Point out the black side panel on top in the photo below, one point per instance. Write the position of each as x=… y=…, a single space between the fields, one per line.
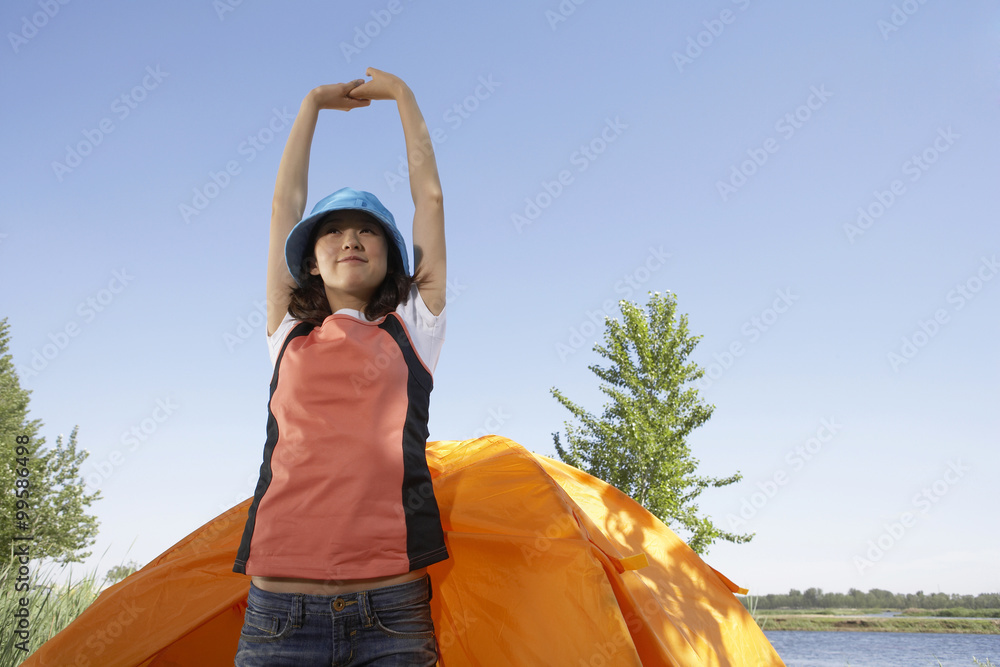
x=243 y=554
x=424 y=536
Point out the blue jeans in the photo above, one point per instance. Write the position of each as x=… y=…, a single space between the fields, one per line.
x=382 y=626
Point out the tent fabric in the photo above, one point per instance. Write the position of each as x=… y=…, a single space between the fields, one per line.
x=549 y=566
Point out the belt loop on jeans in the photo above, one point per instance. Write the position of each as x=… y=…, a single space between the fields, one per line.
x=296 y=610
x=364 y=608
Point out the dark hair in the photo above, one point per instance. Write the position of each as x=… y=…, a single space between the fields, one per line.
x=309 y=303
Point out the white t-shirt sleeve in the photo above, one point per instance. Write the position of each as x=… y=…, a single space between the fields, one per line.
x=426 y=329
x=275 y=340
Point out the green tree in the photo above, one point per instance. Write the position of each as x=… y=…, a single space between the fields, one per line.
x=57 y=516
x=639 y=443
x=119 y=572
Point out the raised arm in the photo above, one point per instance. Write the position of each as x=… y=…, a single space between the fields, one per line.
x=425 y=186
x=291 y=189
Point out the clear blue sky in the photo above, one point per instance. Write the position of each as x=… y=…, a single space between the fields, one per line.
x=720 y=151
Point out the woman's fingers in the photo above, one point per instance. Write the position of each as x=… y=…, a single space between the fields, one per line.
x=371 y=90
x=357 y=93
x=338 y=96
x=382 y=86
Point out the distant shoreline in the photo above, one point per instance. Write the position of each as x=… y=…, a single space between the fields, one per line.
x=844 y=623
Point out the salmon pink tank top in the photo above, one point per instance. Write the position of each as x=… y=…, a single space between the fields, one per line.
x=344 y=489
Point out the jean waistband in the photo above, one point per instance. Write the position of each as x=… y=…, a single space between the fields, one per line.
x=360 y=602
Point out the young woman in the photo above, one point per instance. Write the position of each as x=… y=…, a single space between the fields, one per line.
x=344 y=523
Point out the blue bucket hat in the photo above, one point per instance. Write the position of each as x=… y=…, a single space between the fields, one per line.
x=347 y=199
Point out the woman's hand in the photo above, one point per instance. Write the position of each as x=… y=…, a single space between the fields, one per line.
x=383 y=86
x=337 y=96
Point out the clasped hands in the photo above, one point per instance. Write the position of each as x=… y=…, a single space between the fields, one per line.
x=359 y=93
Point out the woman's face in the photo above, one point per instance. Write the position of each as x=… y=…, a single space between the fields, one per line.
x=351 y=254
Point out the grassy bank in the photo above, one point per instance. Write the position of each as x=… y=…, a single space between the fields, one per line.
x=815 y=612
x=779 y=620
x=956 y=612
x=51 y=607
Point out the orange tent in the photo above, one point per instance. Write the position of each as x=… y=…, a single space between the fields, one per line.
x=549 y=566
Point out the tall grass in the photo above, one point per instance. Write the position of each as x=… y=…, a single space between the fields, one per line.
x=750 y=602
x=51 y=607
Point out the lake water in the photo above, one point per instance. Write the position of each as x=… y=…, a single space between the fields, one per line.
x=882 y=649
